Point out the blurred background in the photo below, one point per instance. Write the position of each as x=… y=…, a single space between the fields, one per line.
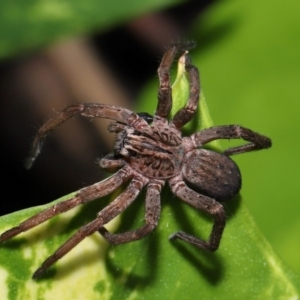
x=55 y=54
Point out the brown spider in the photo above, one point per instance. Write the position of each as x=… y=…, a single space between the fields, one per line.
x=148 y=152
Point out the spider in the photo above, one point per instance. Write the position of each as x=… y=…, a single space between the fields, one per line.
x=148 y=152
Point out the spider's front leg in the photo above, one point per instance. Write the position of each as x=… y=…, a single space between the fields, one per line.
x=84 y=195
x=103 y=217
x=203 y=203
x=257 y=141
x=152 y=213
x=88 y=110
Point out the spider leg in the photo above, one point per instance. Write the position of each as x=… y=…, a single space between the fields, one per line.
x=165 y=91
x=185 y=114
x=152 y=213
x=164 y=104
x=206 y=204
x=257 y=141
x=89 y=110
x=103 y=217
x=84 y=195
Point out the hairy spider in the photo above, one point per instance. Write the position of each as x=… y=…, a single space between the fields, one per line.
x=148 y=152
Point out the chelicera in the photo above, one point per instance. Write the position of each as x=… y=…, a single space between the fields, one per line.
x=150 y=151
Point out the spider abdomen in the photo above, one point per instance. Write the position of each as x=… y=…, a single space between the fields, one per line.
x=213 y=174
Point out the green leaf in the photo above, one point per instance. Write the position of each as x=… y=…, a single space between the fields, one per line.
x=28 y=25
x=80 y=275
x=244 y=265
x=152 y=268
x=248 y=55
x=250 y=77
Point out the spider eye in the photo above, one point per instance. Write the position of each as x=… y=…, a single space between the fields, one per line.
x=147 y=117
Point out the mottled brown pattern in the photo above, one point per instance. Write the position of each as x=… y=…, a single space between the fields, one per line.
x=148 y=152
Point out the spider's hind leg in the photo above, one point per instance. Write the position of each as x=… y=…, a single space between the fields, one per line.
x=203 y=203
x=256 y=141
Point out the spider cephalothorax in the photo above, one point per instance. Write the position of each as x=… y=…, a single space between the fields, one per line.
x=159 y=155
x=148 y=152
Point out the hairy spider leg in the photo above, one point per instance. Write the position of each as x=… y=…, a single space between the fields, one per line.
x=89 y=110
x=152 y=214
x=164 y=96
x=103 y=217
x=163 y=131
x=185 y=114
x=257 y=141
x=84 y=195
x=203 y=203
